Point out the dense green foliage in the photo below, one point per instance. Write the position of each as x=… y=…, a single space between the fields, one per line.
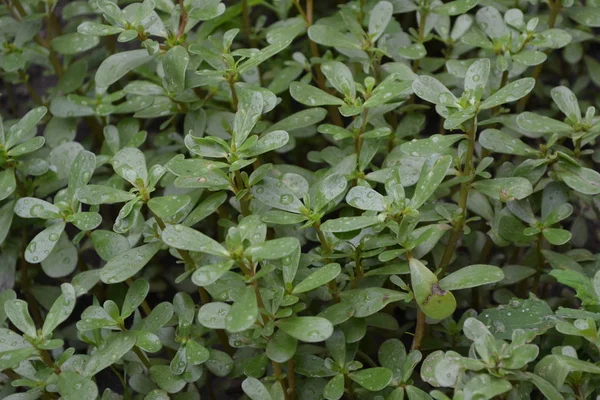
x=298 y=199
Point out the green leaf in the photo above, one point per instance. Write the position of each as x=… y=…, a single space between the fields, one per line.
x=580 y=179
x=505 y=189
x=432 y=174
x=431 y=298
x=340 y=77
x=255 y=389
x=430 y=89
x=347 y=224
x=207 y=10
x=82 y=170
x=319 y=277
x=205 y=208
x=379 y=19
x=73 y=386
x=486 y=387
x=167 y=206
x=300 y=120
x=31 y=207
x=455 y=7
x=268 y=142
x=509 y=93
x=184 y=238
x=62 y=260
x=6 y=217
x=109 y=352
x=109 y=244
x=491 y=21
x=312 y=96
x=281 y=347
x=213 y=315
x=243 y=313
x=530 y=57
x=117 y=65
x=307 y=329
x=588 y=16
x=557 y=237
x=477 y=75
x=42 y=244
x=209 y=274
x=174 y=63
x=582 y=284
x=25 y=125
x=128 y=263
x=85 y=221
x=435 y=144
x=561 y=261
x=365 y=198
x=73 y=43
x=60 y=310
x=250 y=108
x=17 y=312
x=472 y=276
x=370 y=300
x=130 y=164
x=112 y=11
x=334 y=390
x=328 y=36
x=166 y=380
x=555 y=368
x=136 y=294
x=544 y=386
x=567 y=102
x=273 y=249
x=372 y=379
x=500 y=142
x=532 y=315
x=96 y=29
x=275 y=193
x=100 y=194
x=7 y=183
x=28 y=146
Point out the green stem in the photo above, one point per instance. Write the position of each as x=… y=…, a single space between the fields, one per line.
x=555 y=7
x=419 y=330
x=421 y=35
x=468 y=171
x=138 y=352
x=358 y=139
x=540 y=263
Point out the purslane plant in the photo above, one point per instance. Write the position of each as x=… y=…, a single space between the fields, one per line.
x=292 y=199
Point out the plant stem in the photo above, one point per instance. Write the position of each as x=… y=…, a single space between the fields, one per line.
x=334 y=116
x=204 y=296
x=45 y=356
x=244 y=206
x=421 y=35
x=462 y=202
x=540 y=263
x=234 y=96
x=142 y=357
x=419 y=330
x=555 y=7
x=358 y=140
x=367 y=359
x=25 y=78
x=279 y=376
x=326 y=246
x=291 y=375
x=183 y=19
x=246 y=22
